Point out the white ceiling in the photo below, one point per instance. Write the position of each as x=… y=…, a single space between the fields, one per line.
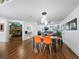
x=31 y=10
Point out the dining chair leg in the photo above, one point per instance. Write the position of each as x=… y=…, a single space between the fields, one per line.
x=44 y=48
x=35 y=49
x=50 y=48
x=40 y=47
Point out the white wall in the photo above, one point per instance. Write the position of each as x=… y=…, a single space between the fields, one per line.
x=71 y=38
x=34 y=30
x=4 y=34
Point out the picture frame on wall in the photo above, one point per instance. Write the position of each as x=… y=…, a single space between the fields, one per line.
x=73 y=24
x=1 y=27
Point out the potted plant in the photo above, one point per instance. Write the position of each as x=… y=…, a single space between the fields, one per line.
x=58 y=33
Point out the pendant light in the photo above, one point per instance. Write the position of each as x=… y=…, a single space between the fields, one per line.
x=43 y=20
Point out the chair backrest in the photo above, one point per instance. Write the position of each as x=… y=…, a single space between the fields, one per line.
x=47 y=40
x=37 y=39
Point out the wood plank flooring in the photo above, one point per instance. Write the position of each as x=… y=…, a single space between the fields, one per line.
x=23 y=50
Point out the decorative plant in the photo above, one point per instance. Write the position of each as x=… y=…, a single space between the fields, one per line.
x=58 y=33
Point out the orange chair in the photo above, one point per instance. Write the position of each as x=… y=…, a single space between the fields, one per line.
x=37 y=40
x=47 y=41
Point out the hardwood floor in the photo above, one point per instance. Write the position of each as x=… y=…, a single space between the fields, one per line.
x=24 y=50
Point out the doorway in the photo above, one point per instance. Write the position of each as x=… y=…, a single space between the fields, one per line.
x=15 y=33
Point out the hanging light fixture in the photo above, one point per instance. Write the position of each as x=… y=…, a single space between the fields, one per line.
x=46 y=22
x=43 y=20
x=44 y=13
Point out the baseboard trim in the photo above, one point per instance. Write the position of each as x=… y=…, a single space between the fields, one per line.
x=70 y=49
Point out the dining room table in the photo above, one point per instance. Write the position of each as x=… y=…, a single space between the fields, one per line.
x=54 y=42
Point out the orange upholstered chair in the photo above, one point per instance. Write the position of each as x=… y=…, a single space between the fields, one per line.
x=47 y=41
x=37 y=41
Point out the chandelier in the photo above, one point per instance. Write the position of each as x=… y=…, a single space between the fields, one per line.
x=43 y=20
